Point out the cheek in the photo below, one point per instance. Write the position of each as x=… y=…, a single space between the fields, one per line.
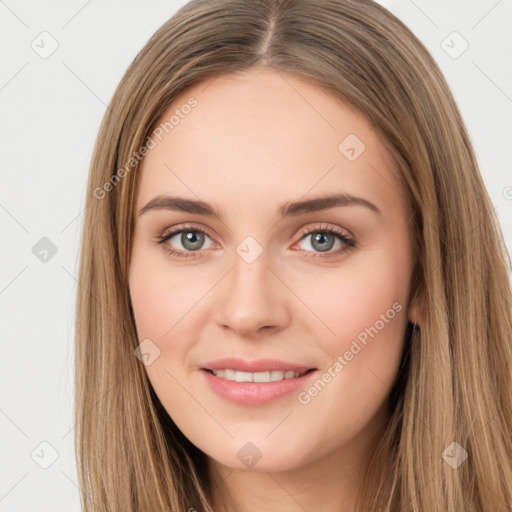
x=161 y=297
x=353 y=297
x=168 y=305
x=163 y=302
x=366 y=309
x=363 y=307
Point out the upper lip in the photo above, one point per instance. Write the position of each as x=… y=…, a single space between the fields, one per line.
x=259 y=365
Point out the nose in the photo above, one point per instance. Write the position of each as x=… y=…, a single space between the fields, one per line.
x=252 y=300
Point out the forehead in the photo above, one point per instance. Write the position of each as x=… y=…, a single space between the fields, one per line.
x=262 y=133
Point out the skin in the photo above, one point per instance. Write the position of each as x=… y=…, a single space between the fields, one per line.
x=255 y=141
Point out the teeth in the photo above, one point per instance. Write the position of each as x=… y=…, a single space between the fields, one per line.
x=268 y=376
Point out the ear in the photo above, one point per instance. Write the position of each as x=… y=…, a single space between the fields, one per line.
x=413 y=311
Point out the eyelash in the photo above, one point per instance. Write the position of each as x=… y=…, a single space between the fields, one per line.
x=348 y=242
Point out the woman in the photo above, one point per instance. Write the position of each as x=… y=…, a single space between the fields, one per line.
x=294 y=291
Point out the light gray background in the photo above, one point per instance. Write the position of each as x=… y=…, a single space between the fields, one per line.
x=51 y=109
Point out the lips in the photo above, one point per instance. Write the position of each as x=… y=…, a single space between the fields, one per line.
x=255 y=383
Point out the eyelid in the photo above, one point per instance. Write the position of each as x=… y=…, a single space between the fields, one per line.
x=307 y=230
x=183 y=227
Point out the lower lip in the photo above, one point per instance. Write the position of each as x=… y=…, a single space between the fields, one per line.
x=255 y=393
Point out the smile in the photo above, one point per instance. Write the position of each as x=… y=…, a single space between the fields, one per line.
x=265 y=376
x=252 y=389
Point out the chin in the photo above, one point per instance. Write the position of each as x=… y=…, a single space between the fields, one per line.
x=250 y=456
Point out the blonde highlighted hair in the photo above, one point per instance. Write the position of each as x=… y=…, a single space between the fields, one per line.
x=455 y=382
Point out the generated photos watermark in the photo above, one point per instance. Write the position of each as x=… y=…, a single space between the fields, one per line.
x=357 y=345
x=151 y=143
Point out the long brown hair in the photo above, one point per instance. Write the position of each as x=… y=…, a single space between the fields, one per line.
x=455 y=381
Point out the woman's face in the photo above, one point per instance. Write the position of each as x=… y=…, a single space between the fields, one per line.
x=290 y=243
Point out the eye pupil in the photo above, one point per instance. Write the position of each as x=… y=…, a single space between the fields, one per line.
x=321 y=238
x=192 y=240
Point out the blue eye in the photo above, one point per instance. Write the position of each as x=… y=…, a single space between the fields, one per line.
x=325 y=241
x=191 y=240
x=322 y=241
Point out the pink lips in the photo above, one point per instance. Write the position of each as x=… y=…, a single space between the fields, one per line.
x=255 y=393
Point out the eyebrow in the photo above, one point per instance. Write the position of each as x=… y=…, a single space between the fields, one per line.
x=293 y=208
